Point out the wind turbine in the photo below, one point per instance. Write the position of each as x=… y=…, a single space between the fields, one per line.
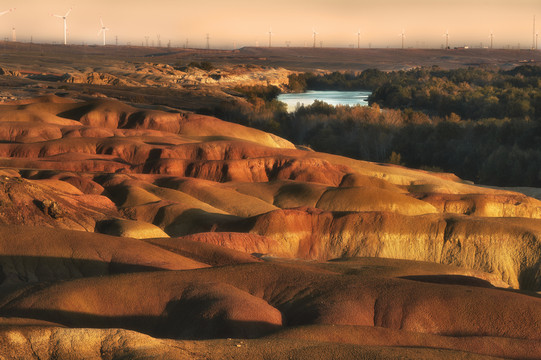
x=534 y=46
x=491 y=39
x=314 y=33
x=103 y=30
x=403 y=35
x=446 y=39
x=65 y=24
x=5 y=12
x=270 y=36
x=359 y=39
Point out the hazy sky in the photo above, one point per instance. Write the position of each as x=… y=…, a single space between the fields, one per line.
x=247 y=22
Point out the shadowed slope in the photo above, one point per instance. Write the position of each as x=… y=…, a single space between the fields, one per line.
x=34 y=254
x=216 y=249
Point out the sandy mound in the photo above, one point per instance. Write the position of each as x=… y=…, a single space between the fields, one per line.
x=34 y=254
x=52 y=203
x=367 y=295
x=112 y=114
x=92 y=344
x=372 y=199
x=214 y=249
x=241 y=242
x=219 y=196
x=130 y=228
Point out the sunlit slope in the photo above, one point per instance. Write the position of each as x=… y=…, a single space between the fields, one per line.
x=128 y=232
x=105 y=166
x=363 y=302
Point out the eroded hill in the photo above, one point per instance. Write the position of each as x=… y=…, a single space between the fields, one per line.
x=173 y=226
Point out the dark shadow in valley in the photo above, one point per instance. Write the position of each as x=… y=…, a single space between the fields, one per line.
x=446 y=279
x=150 y=163
x=19 y=270
x=184 y=323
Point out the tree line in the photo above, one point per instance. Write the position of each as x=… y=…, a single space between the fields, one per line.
x=481 y=124
x=471 y=93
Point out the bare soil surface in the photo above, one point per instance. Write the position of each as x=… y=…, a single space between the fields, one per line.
x=139 y=229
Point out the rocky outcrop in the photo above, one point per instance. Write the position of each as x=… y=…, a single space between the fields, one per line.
x=508 y=248
x=164 y=75
x=95 y=78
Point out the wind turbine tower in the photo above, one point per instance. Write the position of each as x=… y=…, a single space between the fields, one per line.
x=314 y=33
x=208 y=41
x=446 y=39
x=65 y=24
x=403 y=35
x=533 y=39
x=103 y=30
x=13 y=34
x=491 y=40
x=270 y=37
x=359 y=39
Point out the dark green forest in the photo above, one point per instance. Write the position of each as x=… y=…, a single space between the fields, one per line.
x=482 y=124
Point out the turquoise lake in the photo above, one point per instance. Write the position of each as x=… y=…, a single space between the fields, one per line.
x=330 y=97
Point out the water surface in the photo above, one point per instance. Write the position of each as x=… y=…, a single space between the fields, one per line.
x=334 y=98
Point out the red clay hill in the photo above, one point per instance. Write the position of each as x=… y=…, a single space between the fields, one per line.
x=128 y=232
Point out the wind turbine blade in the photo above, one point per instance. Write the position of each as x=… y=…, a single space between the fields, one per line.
x=100 y=31
x=101 y=22
x=5 y=12
x=67 y=13
x=58 y=16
